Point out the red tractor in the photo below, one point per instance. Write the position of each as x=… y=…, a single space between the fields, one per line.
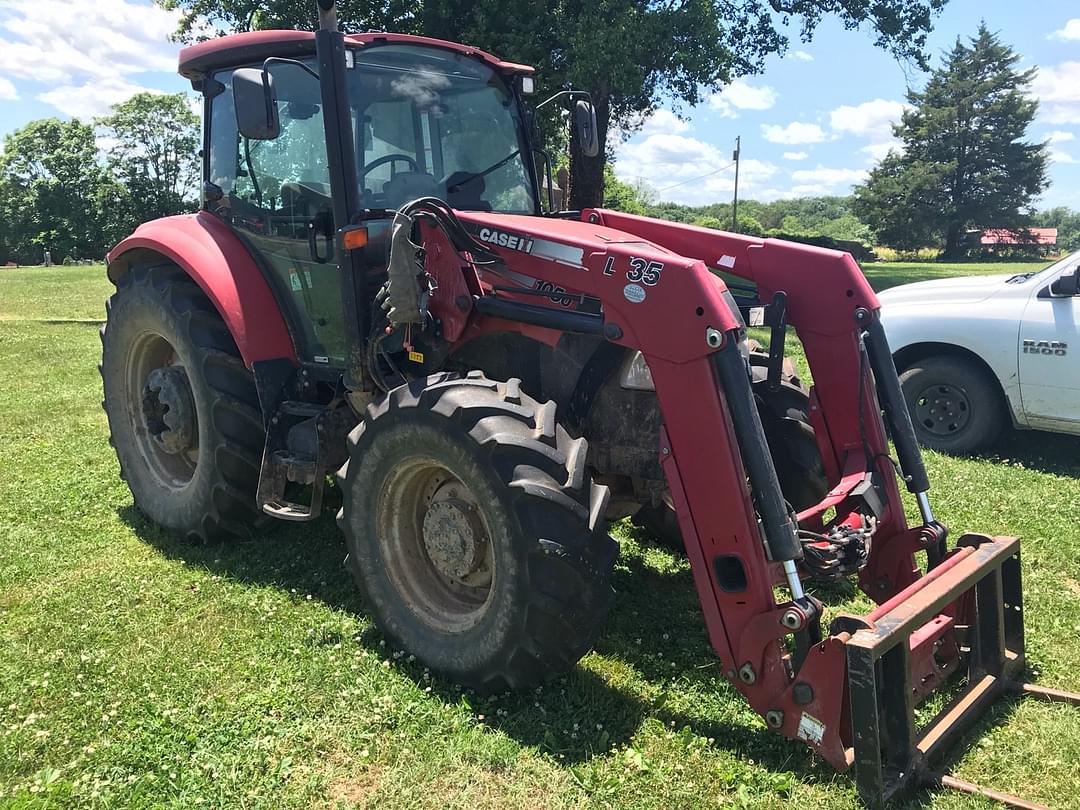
x=375 y=286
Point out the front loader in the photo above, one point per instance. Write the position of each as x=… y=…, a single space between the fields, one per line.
x=375 y=288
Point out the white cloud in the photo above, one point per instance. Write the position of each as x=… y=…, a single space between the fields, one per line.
x=1070 y=32
x=1058 y=89
x=871 y=119
x=687 y=170
x=803 y=56
x=796 y=155
x=84 y=48
x=741 y=95
x=877 y=151
x=794 y=133
x=92 y=99
x=7 y=90
x=813 y=181
x=1060 y=136
x=662 y=121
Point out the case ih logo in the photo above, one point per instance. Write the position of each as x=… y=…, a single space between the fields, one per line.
x=506 y=240
x=1055 y=348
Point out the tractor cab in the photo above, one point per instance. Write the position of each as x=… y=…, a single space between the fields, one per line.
x=422 y=118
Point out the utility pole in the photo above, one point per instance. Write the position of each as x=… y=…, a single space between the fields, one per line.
x=735 y=199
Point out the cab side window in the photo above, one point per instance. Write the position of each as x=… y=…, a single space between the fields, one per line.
x=276 y=194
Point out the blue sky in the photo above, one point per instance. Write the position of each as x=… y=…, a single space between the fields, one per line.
x=812 y=123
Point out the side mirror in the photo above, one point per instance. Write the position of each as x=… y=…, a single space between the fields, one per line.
x=585 y=124
x=255 y=101
x=1067 y=284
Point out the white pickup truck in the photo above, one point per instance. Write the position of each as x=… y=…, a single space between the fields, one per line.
x=976 y=353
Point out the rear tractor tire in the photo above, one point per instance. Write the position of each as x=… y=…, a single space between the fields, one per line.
x=183 y=411
x=475 y=532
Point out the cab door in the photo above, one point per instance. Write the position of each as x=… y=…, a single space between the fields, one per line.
x=276 y=194
x=1049 y=359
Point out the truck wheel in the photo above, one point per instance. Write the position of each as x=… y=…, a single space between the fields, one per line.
x=955 y=406
x=475 y=532
x=183 y=410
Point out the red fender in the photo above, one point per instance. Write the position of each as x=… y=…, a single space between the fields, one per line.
x=221 y=264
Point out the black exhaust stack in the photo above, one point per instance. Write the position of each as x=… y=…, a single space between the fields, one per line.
x=328 y=15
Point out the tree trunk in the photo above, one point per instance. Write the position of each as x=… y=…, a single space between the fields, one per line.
x=953 y=236
x=587 y=173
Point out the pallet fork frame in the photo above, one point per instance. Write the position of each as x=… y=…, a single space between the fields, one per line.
x=981 y=580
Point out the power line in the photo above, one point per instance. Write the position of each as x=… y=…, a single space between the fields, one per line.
x=699 y=177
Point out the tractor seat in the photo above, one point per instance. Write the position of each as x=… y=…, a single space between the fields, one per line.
x=318 y=194
x=466 y=194
x=406 y=186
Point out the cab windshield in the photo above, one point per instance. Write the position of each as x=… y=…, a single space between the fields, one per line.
x=432 y=122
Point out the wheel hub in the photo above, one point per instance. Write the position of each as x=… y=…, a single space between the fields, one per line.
x=454 y=537
x=943 y=409
x=168 y=409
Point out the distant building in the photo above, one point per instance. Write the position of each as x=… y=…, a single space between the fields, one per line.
x=996 y=241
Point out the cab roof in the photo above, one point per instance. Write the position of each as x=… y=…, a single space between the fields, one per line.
x=199 y=60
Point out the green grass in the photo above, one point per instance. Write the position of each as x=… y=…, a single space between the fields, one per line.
x=137 y=670
x=888 y=274
x=53 y=293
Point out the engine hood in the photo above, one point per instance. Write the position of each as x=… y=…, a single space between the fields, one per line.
x=961 y=290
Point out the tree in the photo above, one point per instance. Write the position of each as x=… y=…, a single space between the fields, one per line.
x=1067 y=223
x=629 y=54
x=964 y=163
x=629 y=197
x=51 y=188
x=154 y=154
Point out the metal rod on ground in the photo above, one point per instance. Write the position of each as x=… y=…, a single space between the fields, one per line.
x=735 y=199
x=952 y=783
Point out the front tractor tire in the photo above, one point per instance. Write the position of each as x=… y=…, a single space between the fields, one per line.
x=475 y=532
x=183 y=411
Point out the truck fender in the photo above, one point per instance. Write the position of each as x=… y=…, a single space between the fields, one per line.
x=222 y=266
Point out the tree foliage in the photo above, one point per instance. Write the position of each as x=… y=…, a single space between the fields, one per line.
x=1067 y=223
x=965 y=163
x=52 y=191
x=629 y=54
x=154 y=153
x=60 y=193
x=802 y=216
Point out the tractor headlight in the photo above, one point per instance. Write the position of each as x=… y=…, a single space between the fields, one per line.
x=635 y=373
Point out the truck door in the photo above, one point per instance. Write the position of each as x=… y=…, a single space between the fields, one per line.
x=1049 y=358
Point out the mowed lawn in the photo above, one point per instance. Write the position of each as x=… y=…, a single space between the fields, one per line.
x=137 y=670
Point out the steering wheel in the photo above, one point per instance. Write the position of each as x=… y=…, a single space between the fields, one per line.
x=379 y=161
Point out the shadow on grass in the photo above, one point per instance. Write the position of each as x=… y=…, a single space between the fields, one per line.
x=1054 y=453
x=655 y=629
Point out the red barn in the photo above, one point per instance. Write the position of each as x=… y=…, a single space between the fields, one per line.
x=996 y=241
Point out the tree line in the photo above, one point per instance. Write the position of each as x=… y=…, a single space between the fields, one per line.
x=829 y=217
x=74 y=189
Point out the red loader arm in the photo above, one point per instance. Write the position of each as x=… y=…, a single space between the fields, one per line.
x=850 y=692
